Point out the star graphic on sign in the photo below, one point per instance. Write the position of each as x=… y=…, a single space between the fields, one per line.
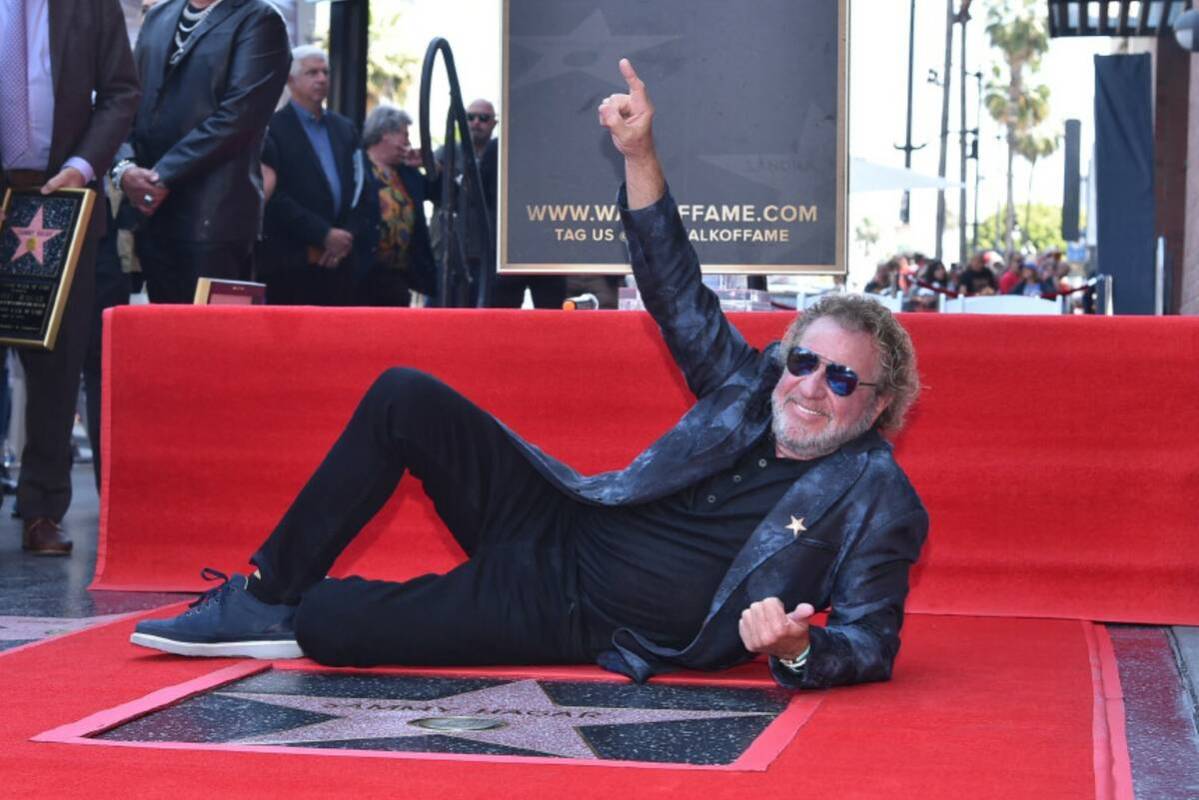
x=796 y=526
x=519 y=715
x=32 y=238
x=788 y=174
x=590 y=47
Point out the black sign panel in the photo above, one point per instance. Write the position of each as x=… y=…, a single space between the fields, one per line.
x=750 y=125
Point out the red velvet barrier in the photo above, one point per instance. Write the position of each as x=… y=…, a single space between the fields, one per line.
x=1056 y=455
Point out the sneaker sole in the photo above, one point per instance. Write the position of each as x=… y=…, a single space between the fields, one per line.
x=264 y=649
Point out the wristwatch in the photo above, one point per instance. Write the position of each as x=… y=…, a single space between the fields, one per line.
x=118 y=170
x=796 y=664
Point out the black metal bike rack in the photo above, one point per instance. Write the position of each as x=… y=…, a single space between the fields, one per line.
x=468 y=259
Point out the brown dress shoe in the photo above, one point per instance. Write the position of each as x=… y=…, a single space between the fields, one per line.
x=43 y=536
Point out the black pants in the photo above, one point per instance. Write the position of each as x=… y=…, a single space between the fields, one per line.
x=112 y=289
x=172 y=266
x=382 y=287
x=514 y=601
x=52 y=389
x=308 y=285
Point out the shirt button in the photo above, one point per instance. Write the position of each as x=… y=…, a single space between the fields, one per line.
x=762 y=463
x=711 y=498
x=736 y=479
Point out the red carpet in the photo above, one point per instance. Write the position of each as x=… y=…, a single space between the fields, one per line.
x=1054 y=453
x=979 y=708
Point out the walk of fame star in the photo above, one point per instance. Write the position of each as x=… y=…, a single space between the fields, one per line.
x=591 y=48
x=33 y=237
x=532 y=721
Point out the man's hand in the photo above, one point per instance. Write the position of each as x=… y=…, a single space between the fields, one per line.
x=338 y=243
x=629 y=119
x=144 y=189
x=766 y=627
x=68 y=178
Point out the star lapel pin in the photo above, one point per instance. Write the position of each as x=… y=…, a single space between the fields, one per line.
x=796 y=527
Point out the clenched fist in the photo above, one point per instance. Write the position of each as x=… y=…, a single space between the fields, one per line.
x=766 y=627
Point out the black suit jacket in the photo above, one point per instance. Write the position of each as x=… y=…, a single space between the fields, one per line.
x=300 y=212
x=202 y=120
x=864 y=523
x=95 y=87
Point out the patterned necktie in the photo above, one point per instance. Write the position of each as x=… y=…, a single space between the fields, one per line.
x=14 y=122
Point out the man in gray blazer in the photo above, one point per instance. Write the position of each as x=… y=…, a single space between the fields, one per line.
x=212 y=72
x=68 y=92
x=773 y=497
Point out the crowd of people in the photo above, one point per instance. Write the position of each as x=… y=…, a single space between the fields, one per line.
x=921 y=281
x=212 y=155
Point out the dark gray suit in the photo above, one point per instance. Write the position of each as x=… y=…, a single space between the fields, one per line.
x=95 y=97
x=200 y=126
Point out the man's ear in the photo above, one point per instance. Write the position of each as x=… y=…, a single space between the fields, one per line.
x=884 y=402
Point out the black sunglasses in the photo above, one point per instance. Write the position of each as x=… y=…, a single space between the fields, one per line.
x=841 y=380
x=472 y=117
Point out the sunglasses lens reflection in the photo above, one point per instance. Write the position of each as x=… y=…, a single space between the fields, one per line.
x=841 y=380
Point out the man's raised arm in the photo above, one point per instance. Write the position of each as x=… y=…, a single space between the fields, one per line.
x=705 y=347
x=629 y=118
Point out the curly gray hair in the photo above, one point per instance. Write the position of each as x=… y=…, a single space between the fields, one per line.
x=382 y=121
x=899 y=379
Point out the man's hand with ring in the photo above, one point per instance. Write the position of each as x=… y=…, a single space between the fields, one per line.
x=143 y=189
x=338 y=243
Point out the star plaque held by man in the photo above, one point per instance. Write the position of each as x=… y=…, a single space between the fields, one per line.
x=41 y=238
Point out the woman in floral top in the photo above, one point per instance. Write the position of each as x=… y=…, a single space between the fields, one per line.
x=392 y=244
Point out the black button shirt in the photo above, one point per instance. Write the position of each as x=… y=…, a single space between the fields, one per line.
x=654 y=567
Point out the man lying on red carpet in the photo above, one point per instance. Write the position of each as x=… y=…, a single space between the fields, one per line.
x=774 y=492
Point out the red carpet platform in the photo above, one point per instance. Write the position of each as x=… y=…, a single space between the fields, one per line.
x=979 y=708
x=1055 y=454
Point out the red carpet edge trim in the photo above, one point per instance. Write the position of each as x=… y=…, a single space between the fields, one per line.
x=106 y=393
x=1113 y=768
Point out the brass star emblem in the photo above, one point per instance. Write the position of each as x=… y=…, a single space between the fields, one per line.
x=796 y=525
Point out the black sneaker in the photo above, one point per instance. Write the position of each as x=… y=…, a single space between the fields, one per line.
x=225 y=621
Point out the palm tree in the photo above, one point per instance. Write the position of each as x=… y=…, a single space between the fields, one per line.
x=1017 y=28
x=1032 y=148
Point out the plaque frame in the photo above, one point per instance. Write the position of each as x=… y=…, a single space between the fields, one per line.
x=508 y=265
x=34 y=277
x=222 y=292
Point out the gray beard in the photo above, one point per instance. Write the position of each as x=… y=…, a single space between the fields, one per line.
x=821 y=444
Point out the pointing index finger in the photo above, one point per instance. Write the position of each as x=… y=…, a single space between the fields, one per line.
x=630 y=77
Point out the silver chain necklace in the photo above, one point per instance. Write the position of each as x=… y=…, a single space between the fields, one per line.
x=184 y=31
